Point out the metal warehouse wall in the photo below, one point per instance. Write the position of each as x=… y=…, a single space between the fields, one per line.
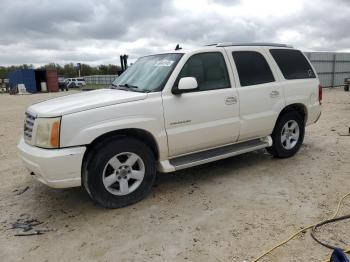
x=332 y=68
x=100 y=79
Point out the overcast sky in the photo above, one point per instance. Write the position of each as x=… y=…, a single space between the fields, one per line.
x=98 y=31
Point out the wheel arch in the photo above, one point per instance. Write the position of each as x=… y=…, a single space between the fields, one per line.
x=296 y=107
x=139 y=134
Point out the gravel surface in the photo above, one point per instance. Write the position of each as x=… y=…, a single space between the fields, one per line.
x=231 y=210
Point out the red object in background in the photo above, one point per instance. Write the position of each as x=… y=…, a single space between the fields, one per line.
x=52 y=80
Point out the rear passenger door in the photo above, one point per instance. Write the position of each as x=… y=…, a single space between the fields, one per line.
x=260 y=94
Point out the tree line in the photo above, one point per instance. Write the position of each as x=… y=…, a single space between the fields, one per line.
x=67 y=70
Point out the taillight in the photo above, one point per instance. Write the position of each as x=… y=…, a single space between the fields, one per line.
x=320 y=94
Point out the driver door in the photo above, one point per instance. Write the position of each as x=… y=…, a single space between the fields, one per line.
x=208 y=116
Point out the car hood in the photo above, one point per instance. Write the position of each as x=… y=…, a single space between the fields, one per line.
x=83 y=101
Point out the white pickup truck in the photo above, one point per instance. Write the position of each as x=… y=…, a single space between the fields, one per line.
x=172 y=111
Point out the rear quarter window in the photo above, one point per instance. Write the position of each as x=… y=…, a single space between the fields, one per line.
x=292 y=64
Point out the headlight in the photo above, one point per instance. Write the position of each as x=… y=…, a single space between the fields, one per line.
x=48 y=132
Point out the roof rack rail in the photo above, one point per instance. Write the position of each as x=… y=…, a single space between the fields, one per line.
x=252 y=44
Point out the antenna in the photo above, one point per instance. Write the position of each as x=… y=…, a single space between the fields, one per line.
x=178 y=47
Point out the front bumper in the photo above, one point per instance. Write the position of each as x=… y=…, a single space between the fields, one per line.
x=58 y=168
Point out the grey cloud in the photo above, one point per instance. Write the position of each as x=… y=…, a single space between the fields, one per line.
x=40 y=17
x=225 y=2
x=35 y=31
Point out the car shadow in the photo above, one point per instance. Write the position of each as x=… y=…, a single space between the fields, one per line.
x=73 y=200
x=63 y=209
x=213 y=170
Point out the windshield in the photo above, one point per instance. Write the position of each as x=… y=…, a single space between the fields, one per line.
x=148 y=73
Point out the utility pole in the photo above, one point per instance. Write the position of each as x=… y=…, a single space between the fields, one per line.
x=79 y=68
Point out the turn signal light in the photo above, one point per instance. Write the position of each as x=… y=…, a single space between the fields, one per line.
x=55 y=134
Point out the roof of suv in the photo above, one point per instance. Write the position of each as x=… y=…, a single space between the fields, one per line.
x=227 y=44
x=251 y=44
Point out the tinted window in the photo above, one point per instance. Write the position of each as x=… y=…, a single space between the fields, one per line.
x=209 y=69
x=252 y=68
x=292 y=63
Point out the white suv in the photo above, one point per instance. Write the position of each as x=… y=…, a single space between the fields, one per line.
x=75 y=82
x=172 y=111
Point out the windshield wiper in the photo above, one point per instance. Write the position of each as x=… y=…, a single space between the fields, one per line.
x=123 y=86
x=128 y=86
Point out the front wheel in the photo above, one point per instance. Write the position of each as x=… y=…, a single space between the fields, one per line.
x=346 y=88
x=120 y=172
x=287 y=136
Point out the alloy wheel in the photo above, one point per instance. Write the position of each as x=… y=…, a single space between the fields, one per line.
x=123 y=173
x=290 y=134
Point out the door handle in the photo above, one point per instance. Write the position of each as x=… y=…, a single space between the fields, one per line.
x=230 y=100
x=274 y=93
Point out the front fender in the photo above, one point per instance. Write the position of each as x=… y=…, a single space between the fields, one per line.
x=84 y=127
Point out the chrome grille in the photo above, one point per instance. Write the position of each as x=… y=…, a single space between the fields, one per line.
x=28 y=126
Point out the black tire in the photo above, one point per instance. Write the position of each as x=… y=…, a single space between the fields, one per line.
x=98 y=158
x=278 y=149
x=346 y=88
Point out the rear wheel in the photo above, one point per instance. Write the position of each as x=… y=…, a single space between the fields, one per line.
x=346 y=88
x=287 y=136
x=120 y=172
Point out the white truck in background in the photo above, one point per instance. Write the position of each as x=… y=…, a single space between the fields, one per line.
x=75 y=82
x=172 y=111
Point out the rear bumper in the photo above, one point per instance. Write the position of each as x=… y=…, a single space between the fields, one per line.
x=314 y=114
x=58 y=168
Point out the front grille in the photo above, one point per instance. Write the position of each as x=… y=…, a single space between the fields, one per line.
x=28 y=126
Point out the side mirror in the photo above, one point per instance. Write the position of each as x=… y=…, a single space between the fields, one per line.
x=186 y=84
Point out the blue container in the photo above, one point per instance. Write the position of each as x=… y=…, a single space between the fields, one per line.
x=23 y=76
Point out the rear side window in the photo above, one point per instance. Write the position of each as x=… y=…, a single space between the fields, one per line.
x=209 y=69
x=252 y=68
x=292 y=64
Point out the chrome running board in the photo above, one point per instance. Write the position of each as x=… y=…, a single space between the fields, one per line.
x=211 y=155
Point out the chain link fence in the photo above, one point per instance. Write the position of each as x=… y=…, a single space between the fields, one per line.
x=99 y=79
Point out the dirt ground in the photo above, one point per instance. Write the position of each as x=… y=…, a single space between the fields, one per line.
x=231 y=210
